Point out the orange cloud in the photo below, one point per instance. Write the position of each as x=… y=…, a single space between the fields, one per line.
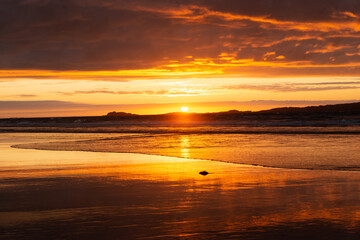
x=137 y=39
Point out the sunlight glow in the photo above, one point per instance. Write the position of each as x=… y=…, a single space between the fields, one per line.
x=184 y=109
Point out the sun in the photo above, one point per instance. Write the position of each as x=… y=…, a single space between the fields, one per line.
x=184 y=109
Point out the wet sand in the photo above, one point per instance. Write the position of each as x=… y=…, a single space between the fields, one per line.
x=293 y=151
x=88 y=195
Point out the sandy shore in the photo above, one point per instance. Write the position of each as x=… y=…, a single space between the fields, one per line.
x=86 y=195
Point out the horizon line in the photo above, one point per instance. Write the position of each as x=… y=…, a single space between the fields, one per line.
x=184 y=113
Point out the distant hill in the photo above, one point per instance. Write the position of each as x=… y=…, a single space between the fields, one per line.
x=119 y=114
x=348 y=108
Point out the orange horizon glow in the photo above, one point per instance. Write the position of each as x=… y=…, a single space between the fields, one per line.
x=166 y=54
x=152 y=109
x=184 y=109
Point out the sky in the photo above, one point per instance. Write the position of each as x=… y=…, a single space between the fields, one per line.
x=89 y=57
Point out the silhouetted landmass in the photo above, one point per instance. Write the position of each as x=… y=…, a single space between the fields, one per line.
x=348 y=108
x=119 y=114
x=339 y=114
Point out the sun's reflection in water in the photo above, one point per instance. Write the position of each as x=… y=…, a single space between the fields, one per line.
x=144 y=196
x=185 y=145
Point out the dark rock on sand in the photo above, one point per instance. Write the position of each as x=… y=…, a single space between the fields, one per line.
x=204 y=173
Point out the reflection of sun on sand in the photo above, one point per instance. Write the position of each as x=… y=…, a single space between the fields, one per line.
x=147 y=196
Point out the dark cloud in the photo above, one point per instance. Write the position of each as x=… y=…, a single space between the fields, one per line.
x=141 y=34
x=10 y=109
x=24 y=95
x=294 y=10
x=285 y=10
x=295 y=71
x=39 y=105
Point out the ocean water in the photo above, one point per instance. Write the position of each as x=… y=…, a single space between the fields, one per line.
x=200 y=128
x=321 y=148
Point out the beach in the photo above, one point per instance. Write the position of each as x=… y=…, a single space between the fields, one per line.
x=165 y=119
x=100 y=195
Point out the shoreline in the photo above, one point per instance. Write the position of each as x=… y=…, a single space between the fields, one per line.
x=195 y=159
x=307 y=152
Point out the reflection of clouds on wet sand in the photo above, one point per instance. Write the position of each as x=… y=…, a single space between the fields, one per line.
x=298 y=151
x=110 y=195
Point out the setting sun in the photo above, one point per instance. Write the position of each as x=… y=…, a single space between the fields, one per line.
x=184 y=109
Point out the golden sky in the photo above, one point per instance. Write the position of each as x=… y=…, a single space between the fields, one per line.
x=60 y=58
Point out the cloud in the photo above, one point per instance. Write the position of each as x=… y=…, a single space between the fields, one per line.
x=145 y=92
x=24 y=95
x=73 y=39
x=26 y=105
x=295 y=10
x=274 y=87
x=49 y=108
x=295 y=87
